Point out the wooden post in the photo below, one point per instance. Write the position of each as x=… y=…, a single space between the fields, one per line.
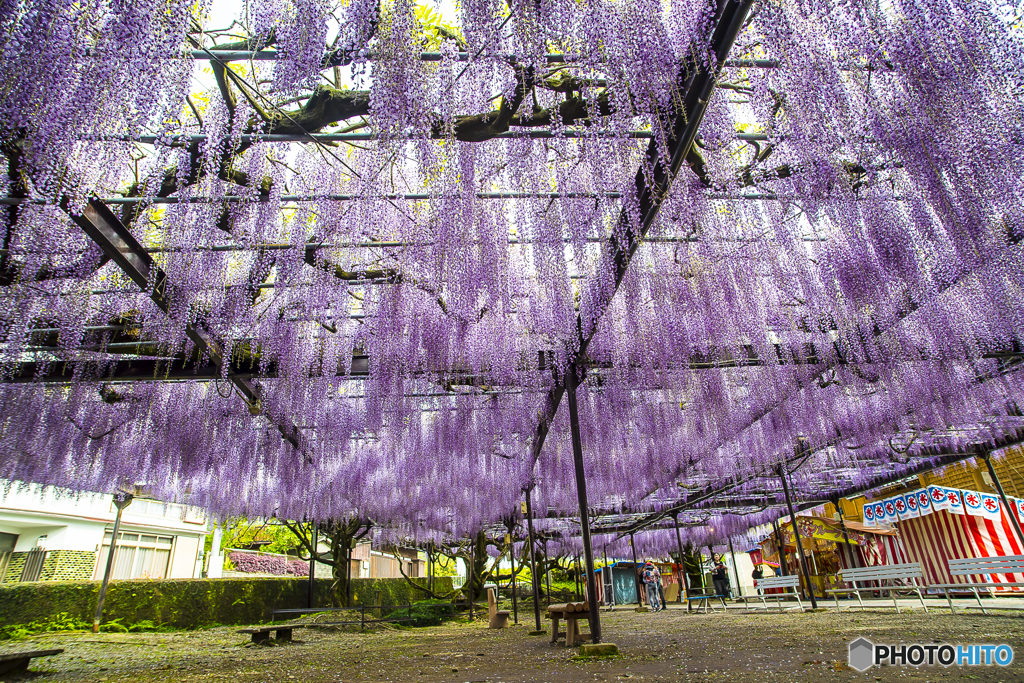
x=534 y=579
x=581 y=494
x=987 y=457
x=781 y=469
x=121 y=501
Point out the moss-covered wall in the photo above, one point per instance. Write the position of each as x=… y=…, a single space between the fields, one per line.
x=186 y=603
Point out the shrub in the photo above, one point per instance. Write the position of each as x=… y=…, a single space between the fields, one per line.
x=176 y=603
x=58 y=622
x=251 y=563
x=425 y=613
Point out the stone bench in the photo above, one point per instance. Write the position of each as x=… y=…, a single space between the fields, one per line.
x=261 y=634
x=17 y=662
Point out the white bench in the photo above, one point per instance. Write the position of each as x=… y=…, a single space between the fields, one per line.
x=883 y=572
x=791 y=582
x=1004 y=564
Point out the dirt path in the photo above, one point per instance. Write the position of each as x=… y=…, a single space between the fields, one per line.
x=668 y=646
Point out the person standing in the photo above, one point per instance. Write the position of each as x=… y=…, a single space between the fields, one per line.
x=661 y=589
x=651 y=586
x=720 y=577
x=757 y=575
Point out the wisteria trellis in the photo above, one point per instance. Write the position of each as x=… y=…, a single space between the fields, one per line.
x=839 y=260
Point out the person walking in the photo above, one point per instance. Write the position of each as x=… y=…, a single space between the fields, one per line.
x=650 y=579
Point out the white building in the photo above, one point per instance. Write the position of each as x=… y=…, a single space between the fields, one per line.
x=54 y=534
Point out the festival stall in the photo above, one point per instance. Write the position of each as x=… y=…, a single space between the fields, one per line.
x=938 y=524
x=830 y=547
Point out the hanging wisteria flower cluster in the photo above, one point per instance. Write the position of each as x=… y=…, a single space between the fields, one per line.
x=387 y=234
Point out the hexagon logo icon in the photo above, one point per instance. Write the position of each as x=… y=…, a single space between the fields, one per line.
x=862 y=654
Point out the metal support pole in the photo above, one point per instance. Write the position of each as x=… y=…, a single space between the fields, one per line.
x=581 y=493
x=796 y=534
x=682 y=561
x=430 y=567
x=735 y=567
x=1002 y=496
x=469 y=575
x=512 y=559
x=312 y=567
x=534 y=579
x=846 y=536
x=547 y=574
x=781 y=545
x=121 y=501
x=636 y=573
x=606 y=573
x=348 y=572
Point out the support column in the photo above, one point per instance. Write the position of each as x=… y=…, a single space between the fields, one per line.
x=312 y=566
x=121 y=501
x=735 y=568
x=987 y=457
x=512 y=559
x=469 y=578
x=606 y=573
x=781 y=469
x=682 y=562
x=846 y=536
x=547 y=574
x=534 y=579
x=581 y=493
x=636 y=573
x=781 y=545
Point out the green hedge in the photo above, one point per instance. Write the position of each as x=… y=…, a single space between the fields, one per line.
x=187 y=603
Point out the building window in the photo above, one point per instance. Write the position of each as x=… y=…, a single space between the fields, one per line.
x=138 y=556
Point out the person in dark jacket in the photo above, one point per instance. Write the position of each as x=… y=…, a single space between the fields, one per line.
x=758 y=574
x=720 y=577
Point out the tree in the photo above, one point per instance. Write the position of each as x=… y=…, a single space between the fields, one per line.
x=341 y=536
x=276 y=537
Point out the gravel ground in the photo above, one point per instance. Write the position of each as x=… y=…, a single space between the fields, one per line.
x=666 y=646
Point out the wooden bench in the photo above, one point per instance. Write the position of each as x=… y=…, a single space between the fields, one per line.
x=572 y=612
x=17 y=662
x=883 y=572
x=1004 y=564
x=282 y=632
x=791 y=582
x=496 y=618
